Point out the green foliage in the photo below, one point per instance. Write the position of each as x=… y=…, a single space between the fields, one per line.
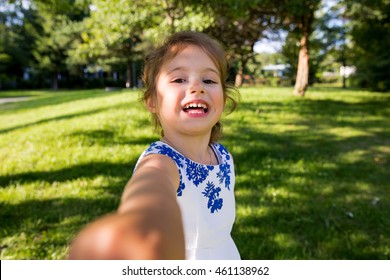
x=53 y=38
x=54 y=34
x=241 y=24
x=16 y=42
x=371 y=37
x=312 y=174
x=296 y=10
x=123 y=32
x=290 y=51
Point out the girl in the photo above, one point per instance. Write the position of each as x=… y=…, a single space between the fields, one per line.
x=179 y=202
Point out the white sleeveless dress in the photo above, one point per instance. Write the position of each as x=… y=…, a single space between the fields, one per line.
x=206 y=199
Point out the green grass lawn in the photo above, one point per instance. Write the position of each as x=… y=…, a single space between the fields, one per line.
x=313 y=173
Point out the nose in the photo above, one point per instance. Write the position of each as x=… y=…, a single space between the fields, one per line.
x=196 y=86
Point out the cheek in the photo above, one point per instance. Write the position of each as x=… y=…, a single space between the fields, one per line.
x=220 y=98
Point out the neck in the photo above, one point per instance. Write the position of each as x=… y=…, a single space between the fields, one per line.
x=197 y=150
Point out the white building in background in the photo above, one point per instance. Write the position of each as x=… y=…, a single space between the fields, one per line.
x=277 y=70
x=346 y=71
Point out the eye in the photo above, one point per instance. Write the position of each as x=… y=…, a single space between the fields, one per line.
x=178 y=81
x=209 y=81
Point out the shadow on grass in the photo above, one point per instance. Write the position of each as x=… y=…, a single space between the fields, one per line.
x=316 y=213
x=89 y=170
x=43 y=121
x=300 y=195
x=104 y=137
x=65 y=117
x=54 y=98
x=49 y=224
x=47 y=214
x=322 y=108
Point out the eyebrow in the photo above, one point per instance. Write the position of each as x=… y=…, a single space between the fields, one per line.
x=182 y=68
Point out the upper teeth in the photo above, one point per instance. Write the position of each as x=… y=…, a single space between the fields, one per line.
x=195 y=105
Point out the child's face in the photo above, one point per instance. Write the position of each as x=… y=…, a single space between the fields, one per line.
x=189 y=95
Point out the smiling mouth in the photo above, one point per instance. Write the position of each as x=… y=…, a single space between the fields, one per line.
x=196 y=108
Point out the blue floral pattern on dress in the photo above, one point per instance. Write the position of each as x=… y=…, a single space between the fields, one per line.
x=181 y=187
x=212 y=193
x=197 y=174
x=223 y=174
x=166 y=150
x=178 y=158
x=223 y=151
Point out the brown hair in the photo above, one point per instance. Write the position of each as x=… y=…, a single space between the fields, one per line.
x=172 y=46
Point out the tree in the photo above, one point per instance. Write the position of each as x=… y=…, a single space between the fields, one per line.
x=239 y=25
x=298 y=16
x=332 y=32
x=179 y=15
x=290 y=49
x=56 y=34
x=371 y=38
x=240 y=36
x=124 y=32
x=112 y=34
x=5 y=57
x=17 y=36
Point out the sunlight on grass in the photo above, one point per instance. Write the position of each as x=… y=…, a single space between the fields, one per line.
x=41 y=190
x=248 y=211
x=340 y=133
x=285 y=241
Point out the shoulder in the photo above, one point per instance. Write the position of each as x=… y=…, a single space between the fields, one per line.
x=158 y=163
x=220 y=147
x=155 y=174
x=222 y=151
x=160 y=157
x=162 y=148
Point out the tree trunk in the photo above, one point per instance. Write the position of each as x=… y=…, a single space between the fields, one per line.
x=238 y=80
x=134 y=74
x=240 y=74
x=54 y=81
x=128 y=75
x=302 y=80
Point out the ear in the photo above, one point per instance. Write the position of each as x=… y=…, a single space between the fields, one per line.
x=151 y=105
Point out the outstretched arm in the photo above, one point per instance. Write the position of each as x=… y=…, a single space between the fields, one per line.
x=147 y=224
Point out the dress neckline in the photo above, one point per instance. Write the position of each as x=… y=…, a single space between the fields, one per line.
x=211 y=145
